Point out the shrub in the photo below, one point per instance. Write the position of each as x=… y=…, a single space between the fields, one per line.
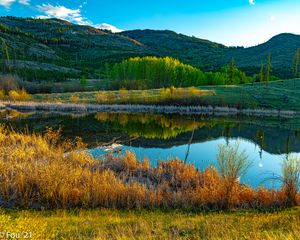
x=24 y=96
x=74 y=98
x=232 y=165
x=123 y=94
x=102 y=97
x=13 y=95
x=291 y=178
x=19 y=95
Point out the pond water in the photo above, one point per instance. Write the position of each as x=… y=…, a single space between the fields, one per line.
x=266 y=141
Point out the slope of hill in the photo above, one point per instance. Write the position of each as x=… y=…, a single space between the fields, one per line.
x=74 y=50
x=197 y=52
x=281 y=47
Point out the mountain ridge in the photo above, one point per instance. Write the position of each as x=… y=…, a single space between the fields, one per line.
x=88 y=49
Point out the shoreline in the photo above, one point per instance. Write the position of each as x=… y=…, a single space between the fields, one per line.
x=139 y=108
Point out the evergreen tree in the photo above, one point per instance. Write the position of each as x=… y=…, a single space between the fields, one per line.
x=5 y=57
x=261 y=73
x=268 y=69
x=231 y=71
x=296 y=62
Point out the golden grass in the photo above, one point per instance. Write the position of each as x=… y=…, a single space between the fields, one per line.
x=36 y=172
x=164 y=95
x=74 y=99
x=153 y=224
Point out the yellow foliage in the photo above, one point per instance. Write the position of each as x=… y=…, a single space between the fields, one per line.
x=102 y=97
x=123 y=94
x=19 y=95
x=13 y=95
x=74 y=99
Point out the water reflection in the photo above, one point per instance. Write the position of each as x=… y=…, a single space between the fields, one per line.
x=266 y=140
x=273 y=135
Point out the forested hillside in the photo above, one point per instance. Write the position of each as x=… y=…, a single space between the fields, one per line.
x=53 y=49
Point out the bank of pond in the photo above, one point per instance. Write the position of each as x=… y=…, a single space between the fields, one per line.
x=147 y=160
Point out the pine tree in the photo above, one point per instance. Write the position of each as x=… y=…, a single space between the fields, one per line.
x=5 y=57
x=231 y=71
x=261 y=73
x=296 y=62
x=268 y=69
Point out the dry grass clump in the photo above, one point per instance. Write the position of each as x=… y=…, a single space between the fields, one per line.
x=45 y=172
x=74 y=99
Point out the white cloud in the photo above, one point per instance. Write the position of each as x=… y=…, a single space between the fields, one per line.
x=8 y=3
x=71 y=15
x=252 y=2
x=106 y=26
x=24 y=2
x=61 y=12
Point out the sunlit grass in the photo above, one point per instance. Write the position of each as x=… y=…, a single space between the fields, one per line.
x=152 y=224
x=154 y=96
x=37 y=173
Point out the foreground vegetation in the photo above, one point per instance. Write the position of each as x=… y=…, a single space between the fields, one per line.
x=152 y=224
x=37 y=173
x=122 y=197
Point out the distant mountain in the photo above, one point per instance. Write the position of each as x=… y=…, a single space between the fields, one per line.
x=52 y=45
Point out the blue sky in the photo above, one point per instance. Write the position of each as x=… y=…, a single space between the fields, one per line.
x=231 y=22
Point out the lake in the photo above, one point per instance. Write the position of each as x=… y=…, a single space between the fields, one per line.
x=266 y=141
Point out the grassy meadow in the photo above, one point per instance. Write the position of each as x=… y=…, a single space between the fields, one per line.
x=152 y=224
x=280 y=95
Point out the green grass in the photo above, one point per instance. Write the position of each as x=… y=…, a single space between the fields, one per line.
x=154 y=224
x=281 y=95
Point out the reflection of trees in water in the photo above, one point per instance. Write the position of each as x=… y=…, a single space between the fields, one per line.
x=227 y=131
x=153 y=126
x=260 y=139
x=164 y=131
x=287 y=145
x=296 y=135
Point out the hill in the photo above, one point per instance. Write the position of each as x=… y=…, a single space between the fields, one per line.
x=46 y=49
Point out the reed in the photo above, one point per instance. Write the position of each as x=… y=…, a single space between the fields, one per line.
x=136 y=108
x=43 y=171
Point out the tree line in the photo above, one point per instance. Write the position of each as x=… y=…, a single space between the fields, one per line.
x=156 y=72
